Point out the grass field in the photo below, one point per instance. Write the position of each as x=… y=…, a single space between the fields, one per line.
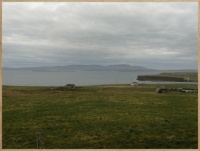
x=171 y=76
x=193 y=76
x=110 y=116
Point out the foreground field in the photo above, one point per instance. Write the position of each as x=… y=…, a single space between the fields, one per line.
x=110 y=117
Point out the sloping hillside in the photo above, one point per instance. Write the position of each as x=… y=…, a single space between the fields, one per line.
x=171 y=76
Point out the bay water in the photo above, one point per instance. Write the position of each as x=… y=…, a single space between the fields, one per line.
x=79 y=78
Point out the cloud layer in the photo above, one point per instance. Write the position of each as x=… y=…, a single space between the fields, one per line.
x=155 y=35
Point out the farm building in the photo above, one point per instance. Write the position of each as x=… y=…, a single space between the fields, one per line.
x=187 y=90
x=70 y=86
x=161 y=90
x=134 y=83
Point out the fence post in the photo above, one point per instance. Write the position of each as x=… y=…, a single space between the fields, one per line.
x=40 y=140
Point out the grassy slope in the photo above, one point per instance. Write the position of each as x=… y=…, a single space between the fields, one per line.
x=193 y=76
x=99 y=117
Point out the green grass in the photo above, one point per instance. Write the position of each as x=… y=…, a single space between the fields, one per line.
x=101 y=117
x=193 y=76
x=171 y=76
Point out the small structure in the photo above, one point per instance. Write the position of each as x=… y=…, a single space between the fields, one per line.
x=70 y=87
x=186 y=90
x=134 y=83
x=189 y=90
x=67 y=87
x=162 y=90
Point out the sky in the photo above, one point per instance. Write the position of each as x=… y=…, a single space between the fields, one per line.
x=159 y=35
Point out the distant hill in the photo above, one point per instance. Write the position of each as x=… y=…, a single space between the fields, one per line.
x=119 y=67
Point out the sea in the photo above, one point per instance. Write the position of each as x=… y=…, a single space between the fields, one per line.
x=79 y=78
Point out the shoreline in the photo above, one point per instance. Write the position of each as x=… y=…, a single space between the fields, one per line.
x=125 y=84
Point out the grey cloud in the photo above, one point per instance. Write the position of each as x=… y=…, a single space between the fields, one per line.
x=100 y=33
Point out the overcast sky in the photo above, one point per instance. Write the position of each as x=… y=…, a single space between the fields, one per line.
x=155 y=35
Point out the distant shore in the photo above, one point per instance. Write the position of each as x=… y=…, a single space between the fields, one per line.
x=171 y=77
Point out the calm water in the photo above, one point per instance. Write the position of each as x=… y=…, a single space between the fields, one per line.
x=33 y=78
